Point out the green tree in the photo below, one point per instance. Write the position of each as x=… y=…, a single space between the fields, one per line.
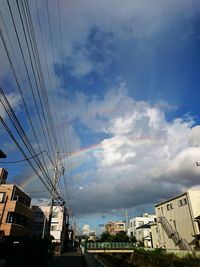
x=106 y=237
x=121 y=237
x=133 y=239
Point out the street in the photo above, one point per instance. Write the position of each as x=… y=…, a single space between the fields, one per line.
x=73 y=258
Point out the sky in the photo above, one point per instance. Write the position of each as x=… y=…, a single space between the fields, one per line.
x=125 y=96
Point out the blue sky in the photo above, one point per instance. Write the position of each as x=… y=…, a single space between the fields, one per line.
x=129 y=100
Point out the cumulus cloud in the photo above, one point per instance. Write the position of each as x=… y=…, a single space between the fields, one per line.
x=195 y=136
x=145 y=159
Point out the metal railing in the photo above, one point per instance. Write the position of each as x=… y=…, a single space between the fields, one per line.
x=109 y=245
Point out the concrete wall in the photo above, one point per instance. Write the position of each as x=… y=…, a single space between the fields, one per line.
x=179 y=213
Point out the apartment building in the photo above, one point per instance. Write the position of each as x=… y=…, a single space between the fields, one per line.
x=136 y=222
x=58 y=224
x=39 y=223
x=15 y=211
x=178 y=222
x=115 y=227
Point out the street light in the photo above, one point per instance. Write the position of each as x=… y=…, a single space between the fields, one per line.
x=2 y=155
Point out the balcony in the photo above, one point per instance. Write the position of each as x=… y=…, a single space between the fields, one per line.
x=18 y=207
x=12 y=229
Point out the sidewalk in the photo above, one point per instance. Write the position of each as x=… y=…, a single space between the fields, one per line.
x=73 y=258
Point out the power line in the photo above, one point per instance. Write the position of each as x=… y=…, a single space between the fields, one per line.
x=43 y=96
x=26 y=67
x=19 y=88
x=23 y=137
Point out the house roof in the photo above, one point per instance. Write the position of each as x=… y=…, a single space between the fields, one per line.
x=170 y=199
x=144 y=226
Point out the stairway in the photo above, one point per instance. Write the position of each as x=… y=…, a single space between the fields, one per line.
x=173 y=234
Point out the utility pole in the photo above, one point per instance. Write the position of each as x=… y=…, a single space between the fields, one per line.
x=53 y=193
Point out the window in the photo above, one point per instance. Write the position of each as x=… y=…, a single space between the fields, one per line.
x=2 y=196
x=140 y=223
x=53 y=227
x=182 y=202
x=55 y=215
x=16 y=218
x=169 y=206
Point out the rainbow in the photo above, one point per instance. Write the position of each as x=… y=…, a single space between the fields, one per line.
x=24 y=184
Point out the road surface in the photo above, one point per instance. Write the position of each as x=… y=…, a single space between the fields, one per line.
x=68 y=259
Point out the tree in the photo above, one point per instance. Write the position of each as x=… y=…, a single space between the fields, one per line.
x=121 y=237
x=133 y=239
x=106 y=237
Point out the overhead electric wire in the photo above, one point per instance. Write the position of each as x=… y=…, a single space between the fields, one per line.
x=22 y=160
x=51 y=42
x=42 y=96
x=47 y=68
x=44 y=90
x=34 y=73
x=19 y=87
x=20 y=90
x=16 y=79
x=18 y=161
x=23 y=136
x=69 y=163
x=22 y=151
x=28 y=31
x=53 y=54
x=27 y=72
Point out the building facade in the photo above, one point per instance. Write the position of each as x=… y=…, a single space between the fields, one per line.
x=15 y=211
x=178 y=222
x=143 y=235
x=58 y=224
x=115 y=227
x=136 y=222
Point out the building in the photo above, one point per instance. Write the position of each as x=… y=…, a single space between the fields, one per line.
x=178 y=222
x=58 y=224
x=86 y=230
x=39 y=224
x=143 y=234
x=92 y=236
x=15 y=211
x=115 y=227
x=136 y=222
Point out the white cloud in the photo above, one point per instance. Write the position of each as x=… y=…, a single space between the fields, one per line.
x=145 y=159
x=15 y=102
x=195 y=136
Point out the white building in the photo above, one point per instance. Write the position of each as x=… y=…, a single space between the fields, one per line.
x=58 y=224
x=136 y=222
x=143 y=234
x=86 y=229
x=178 y=222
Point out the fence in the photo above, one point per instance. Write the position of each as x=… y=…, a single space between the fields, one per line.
x=109 y=245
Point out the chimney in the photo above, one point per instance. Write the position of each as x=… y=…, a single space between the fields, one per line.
x=3 y=176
